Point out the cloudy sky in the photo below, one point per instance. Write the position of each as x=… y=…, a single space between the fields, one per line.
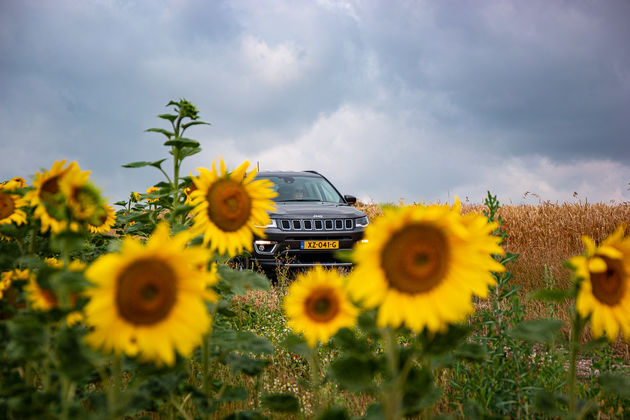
x=421 y=100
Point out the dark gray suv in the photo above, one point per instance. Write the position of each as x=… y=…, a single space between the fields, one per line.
x=312 y=222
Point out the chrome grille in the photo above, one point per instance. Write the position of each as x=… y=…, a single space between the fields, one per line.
x=317 y=224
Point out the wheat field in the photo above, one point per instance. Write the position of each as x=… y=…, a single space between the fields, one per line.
x=546 y=234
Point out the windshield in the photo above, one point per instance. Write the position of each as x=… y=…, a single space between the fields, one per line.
x=303 y=188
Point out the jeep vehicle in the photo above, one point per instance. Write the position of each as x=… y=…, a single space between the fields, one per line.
x=311 y=223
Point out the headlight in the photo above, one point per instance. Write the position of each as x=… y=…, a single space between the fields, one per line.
x=271 y=224
x=362 y=222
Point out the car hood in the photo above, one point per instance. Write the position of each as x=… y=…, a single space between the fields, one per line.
x=314 y=210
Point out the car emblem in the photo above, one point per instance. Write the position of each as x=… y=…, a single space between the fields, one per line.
x=319 y=216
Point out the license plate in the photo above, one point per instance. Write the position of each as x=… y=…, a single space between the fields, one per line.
x=320 y=244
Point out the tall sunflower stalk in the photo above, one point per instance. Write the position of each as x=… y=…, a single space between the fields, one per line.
x=186 y=115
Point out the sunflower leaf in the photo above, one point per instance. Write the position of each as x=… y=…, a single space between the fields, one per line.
x=355 y=373
x=170 y=117
x=240 y=363
x=244 y=341
x=295 y=344
x=142 y=163
x=160 y=130
x=188 y=151
x=544 y=330
x=471 y=352
x=185 y=126
x=550 y=295
x=615 y=384
x=240 y=282
x=182 y=142
x=335 y=413
x=285 y=403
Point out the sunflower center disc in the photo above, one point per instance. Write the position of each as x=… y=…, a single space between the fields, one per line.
x=322 y=305
x=146 y=292
x=609 y=286
x=49 y=188
x=229 y=205
x=86 y=204
x=7 y=205
x=415 y=259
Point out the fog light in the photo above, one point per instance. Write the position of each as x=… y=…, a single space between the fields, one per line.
x=265 y=247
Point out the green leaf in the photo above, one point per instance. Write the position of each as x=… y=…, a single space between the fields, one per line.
x=244 y=341
x=438 y=343
x=347 y=340
x=181 y=142
x=185 y=126
x=234 y=393
x=355 y=373
x=615 y=384
x=543 y=330
x=419 y=392
x=549 y=403
x=285 y=403
x=160 y=130
x=240 y=363
x=471 y=352
x=170 y=117
x=140 y=164
x=595 y=344
x=188 y=151
x=26 y=338
x=72 y=361
x=67 y=240
x=245 y=415
x=428 y=398
x=335 y=413
x=241 y=282
x=375 y=412
x=550 y=295
x=295 y=344
x=344 y=255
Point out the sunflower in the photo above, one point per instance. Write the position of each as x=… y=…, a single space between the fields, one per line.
x=604 y=291
x=230 y=207
x=151 y=190
x=40 y=299
x=148 y=300
x=82 y=198
x=21 y=182
x=317 y=305
x=421 y=265
x=46 y=198
x=10 y=204
x=106 y=220
x=189 y=190
x=75 y=265
x=8 y=277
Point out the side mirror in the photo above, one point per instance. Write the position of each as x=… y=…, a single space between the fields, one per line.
x=350 y=199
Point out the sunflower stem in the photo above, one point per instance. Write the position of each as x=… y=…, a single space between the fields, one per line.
x=31 y=244
x=313 y=361
x=206 y=364
x=576 y=329
x=392 y=395
x=115 y=385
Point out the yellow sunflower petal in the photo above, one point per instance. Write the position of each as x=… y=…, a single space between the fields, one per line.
x=596 y=265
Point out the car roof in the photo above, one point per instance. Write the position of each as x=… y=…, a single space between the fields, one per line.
x=263 y=174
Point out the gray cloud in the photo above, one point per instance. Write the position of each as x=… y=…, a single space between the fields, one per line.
x=421 y=100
